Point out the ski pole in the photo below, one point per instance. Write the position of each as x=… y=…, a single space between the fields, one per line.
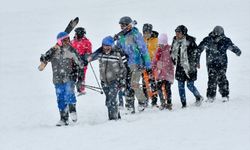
x=95 y=77
x=93 y=89
x=89 y=86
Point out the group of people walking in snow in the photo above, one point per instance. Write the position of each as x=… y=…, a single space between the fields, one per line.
x=131 y=57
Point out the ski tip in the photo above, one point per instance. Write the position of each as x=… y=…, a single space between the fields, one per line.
x=76 y=19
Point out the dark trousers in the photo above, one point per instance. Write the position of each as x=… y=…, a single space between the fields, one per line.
x=167 y=87
x=111 y=90
x=217 y=76
x=121 y=94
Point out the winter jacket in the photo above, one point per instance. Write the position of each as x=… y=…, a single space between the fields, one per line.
x=61 y=60
x=112 y=66
x=135 y=48
x=152 y=44
x=163 y=64
x=184 y=53
x=216 y=49
x=82 y=46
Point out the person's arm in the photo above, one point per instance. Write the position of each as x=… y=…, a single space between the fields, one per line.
x=204 y=44
x=45 y=58
x=94 y=56
x=233 y=47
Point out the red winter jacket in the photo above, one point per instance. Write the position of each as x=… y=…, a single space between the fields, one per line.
x=82 y=46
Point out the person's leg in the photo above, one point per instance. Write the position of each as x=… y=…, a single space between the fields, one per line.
x=130 y=96
x=135 y=79
x=223 y=84
x=71 y=100
x=160 y=92
x=120 y=97
x=212 y=83
x=182 y=93
x=111 y=102
x=193 y=89
x=169 y=92
x=62 y=105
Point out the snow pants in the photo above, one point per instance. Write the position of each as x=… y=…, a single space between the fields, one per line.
x=111 y=90
x=65 y=94
x=135 y=85
x=82 y=89
x=217 y=76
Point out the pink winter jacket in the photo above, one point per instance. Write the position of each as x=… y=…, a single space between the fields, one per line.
x=162 y=64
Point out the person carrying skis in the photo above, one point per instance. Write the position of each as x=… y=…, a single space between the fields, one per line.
x=113 y=73
x=134 y=47
x=184 y=53
x=216 y=45
x=83 y=46
x=163 y=65
x=61 y=57
x=151 y=40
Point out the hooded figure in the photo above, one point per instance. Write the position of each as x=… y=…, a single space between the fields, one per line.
x=216 y=45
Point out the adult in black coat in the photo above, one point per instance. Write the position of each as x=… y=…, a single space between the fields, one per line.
x=216 y=45
x=184 y=53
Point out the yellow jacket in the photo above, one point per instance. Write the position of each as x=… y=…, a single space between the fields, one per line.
x=152 y=44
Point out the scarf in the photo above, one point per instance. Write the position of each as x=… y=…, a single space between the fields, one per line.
x=181 y=45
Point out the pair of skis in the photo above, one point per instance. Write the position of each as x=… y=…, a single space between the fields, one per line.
x=72 y=24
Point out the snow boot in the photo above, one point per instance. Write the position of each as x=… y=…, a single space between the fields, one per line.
x=225 y=99
x=168 y=106
x=199 y=100
x=141 y=106
x=210 y=99
x=64 y=118
x=72 y=112
x=184 y=104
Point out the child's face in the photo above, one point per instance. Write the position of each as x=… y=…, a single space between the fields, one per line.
x=161 y=46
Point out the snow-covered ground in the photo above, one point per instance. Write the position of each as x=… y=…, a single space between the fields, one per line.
x=28 y=109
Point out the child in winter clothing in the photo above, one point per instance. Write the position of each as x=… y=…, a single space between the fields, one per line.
x=83 y=47
x=164 y=67
x=216 y=45
x=61 y=57
x=113 y=72
x=184 y=53
x=151 y=40
x=134 y=47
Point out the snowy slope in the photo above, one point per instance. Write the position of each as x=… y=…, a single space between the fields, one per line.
x=28 y=110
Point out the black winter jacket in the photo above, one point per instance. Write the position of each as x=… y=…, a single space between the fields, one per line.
x=192 y=54
x=216 y=49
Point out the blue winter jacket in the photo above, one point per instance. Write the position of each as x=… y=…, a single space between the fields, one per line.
x=135 y=48
x=216 y=49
